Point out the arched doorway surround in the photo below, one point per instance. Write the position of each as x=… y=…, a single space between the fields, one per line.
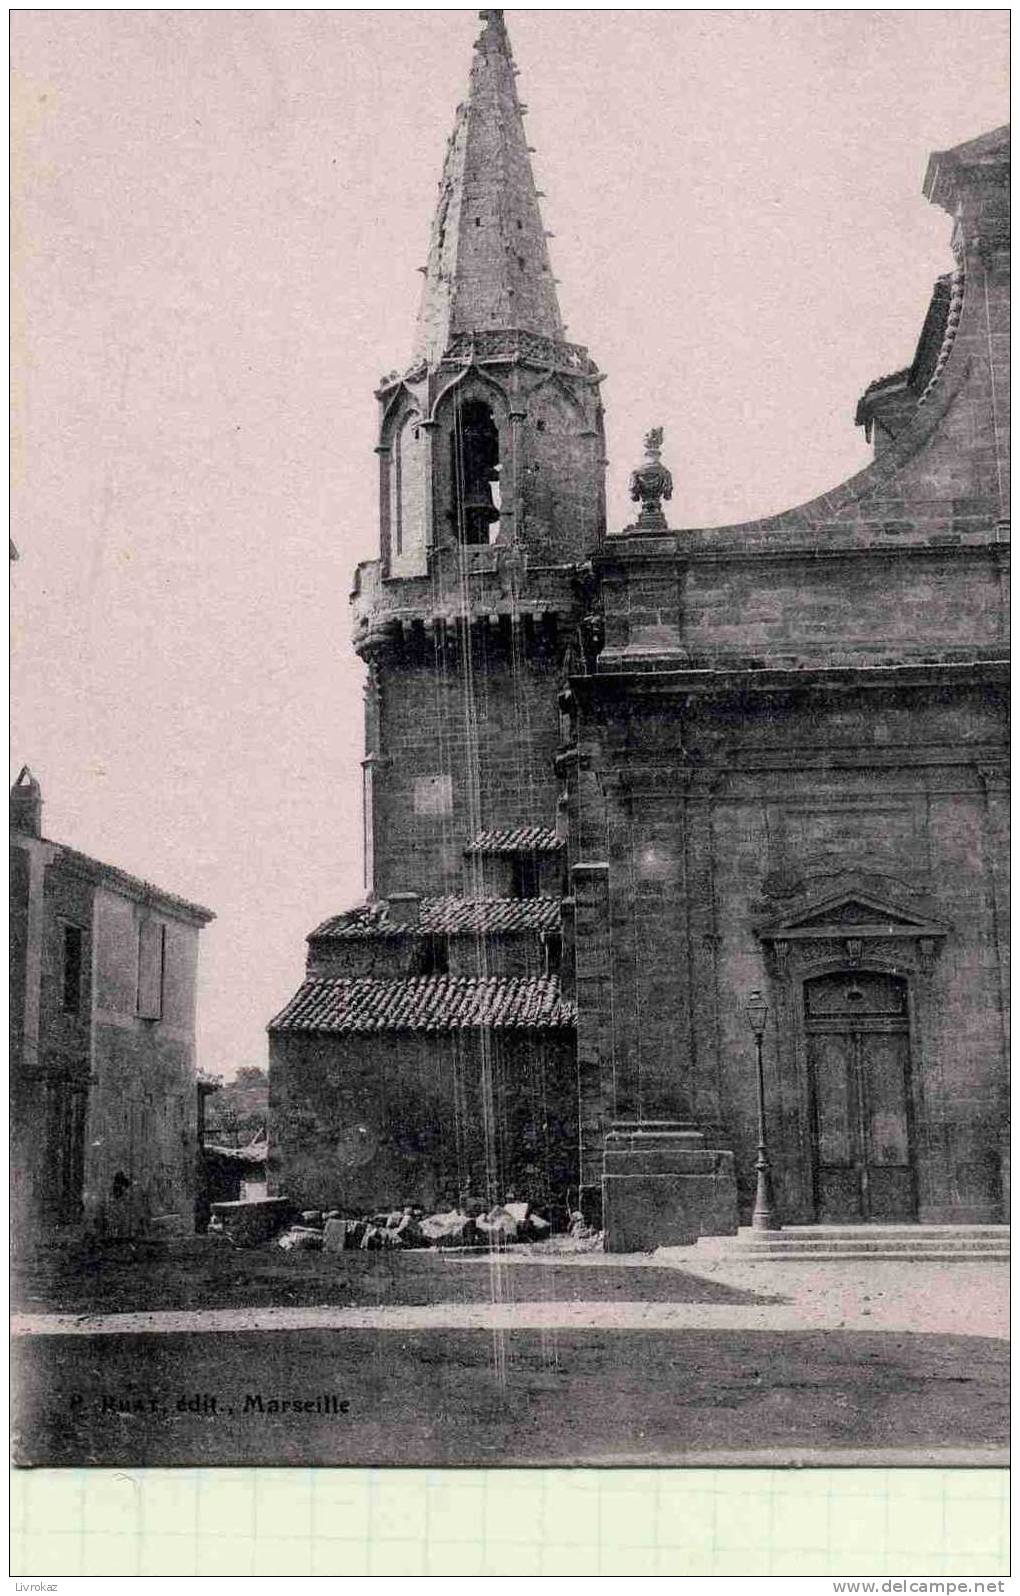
x=857 y=1091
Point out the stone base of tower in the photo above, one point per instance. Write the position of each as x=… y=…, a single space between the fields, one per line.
x=663 y=1185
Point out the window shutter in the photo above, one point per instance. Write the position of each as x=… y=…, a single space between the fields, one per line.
x=151 y=950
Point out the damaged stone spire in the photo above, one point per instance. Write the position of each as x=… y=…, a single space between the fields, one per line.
x=488 y=264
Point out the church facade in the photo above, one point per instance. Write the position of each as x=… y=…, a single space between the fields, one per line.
x=618 y=779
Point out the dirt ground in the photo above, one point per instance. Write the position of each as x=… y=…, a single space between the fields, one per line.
x=174 y=1353
x=695 y=1287
x=207 y=1272
x=568 y=1396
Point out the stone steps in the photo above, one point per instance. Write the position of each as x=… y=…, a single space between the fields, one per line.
x=874 y=1255
x=902 y=1243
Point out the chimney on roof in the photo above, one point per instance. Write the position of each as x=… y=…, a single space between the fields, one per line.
x=26 y=804
x=404 y=907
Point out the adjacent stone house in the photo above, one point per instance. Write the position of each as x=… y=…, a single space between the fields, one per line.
x=618 y=778
x=103 y=1078
x=428 y=1054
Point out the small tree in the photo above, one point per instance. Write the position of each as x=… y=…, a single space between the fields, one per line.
x=238 y=1112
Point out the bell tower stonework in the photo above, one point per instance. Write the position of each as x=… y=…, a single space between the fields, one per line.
x=433 y=1047
x=430 y=1054
x=491 y=491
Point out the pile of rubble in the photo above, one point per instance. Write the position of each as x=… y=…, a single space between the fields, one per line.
x=467 y=1223
x=410 y=1226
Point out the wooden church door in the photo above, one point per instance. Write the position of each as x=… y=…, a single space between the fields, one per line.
x=858 y=1040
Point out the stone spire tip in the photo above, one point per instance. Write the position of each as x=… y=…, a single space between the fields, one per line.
x=488 y=265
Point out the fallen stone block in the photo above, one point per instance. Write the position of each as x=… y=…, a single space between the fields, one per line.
x=343 y=1235
x=251 y=1224
x=452 y=1229
x=530 y=1225
x=402 y=1229
x=411 y=1234
x=497 y=1226
x=301 y=1238
x=335 y=1235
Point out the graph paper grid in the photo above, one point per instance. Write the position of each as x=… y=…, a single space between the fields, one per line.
x=921 y=1522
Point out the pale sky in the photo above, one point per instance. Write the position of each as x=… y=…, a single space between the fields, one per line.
x=218 y=219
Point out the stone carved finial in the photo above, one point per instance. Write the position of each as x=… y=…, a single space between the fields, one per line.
x=651 y=482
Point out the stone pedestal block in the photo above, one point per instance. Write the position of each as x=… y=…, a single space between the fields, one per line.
x=663 y=1187
x=250 y=1224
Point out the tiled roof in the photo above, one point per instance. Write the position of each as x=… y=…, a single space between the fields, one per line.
x=516 y=839
x=444 y=917
x=429 y=1003
x=117 y=880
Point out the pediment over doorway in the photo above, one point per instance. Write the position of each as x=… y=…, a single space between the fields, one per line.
x=853 y=912
x=850 y=905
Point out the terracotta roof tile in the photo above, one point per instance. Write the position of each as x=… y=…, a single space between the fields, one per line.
x=429 y=1003
x=118 y=880
x=444 y=917
x=516 y=839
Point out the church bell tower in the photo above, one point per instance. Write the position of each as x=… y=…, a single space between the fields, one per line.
x=491 y=498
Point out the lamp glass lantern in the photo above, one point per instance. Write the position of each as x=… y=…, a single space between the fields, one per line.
x=757 y=1011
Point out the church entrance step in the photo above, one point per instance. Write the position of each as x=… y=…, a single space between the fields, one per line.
x=824 y=1243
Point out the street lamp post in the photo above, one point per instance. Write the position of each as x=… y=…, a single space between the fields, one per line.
x=765 y=1216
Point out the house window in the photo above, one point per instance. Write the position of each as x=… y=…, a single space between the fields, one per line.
x=151 y=967
x=525 y=875
x=73 y=945
x=432 y=956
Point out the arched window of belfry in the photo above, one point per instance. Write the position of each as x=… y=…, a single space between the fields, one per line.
x=407 y=498
x=475 y=466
